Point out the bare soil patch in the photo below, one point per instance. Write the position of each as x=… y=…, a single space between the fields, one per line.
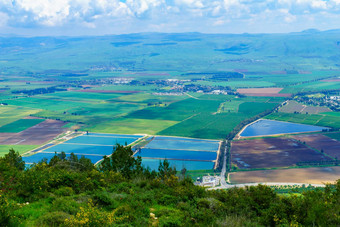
x=272 y=152
x=293 y=106
x=108 y=91
x=31 y=117
x=318 y=175
x=332 y=80
x=36 y=135
x=328 y=145
x=272 y=92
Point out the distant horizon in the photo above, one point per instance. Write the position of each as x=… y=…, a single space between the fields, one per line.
x=311 y=30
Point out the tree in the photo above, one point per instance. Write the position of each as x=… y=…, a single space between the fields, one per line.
x=164 y=170
x=122 y=161
x=14 y=159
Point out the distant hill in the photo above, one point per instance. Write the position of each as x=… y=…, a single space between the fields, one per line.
x=179 y=52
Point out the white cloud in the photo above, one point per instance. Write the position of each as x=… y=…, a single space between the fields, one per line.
x=48 y=12
x=162 y=14
x=3 y=19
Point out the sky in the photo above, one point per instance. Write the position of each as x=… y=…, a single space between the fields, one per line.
x=102 y=17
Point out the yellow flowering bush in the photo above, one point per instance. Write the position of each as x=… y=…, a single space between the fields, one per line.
x=93 y=216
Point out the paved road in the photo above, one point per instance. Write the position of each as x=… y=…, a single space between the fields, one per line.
x=224 y=167
x=227 y=186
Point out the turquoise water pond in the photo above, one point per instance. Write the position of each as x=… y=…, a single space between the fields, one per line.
x=40 y=156
x=271 y=127
x=93 y=146
x=183 y=144
x=193 y=154
x=177 y=154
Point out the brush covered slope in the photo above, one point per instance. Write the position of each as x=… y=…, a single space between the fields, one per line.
x=72 y=192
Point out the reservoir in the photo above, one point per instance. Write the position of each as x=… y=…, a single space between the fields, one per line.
x=270 y=127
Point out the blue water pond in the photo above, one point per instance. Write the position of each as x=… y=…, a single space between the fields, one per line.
x=270 y=127
x=183 y=144
x=177 y=154
x=93 y=146
x=179 y=164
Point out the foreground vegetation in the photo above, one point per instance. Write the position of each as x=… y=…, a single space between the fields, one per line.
x=72 y=192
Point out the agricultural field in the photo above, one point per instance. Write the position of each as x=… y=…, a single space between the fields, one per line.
x=248 y=83
x=319 y=175
x=270 y=92
x=312 y=86
x=19 y=148
x=9 y=114
x=271 y=153
x=293 y=106
x=334 y=135
x=326 y=120
x=322 y=143
x=19 y=125
x=36 y=135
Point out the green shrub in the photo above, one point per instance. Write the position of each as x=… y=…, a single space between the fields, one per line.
x=66 y=205
x=4 y=211
x=64 y=191
x=53 y=219
x=168 y=200
x=102 y=198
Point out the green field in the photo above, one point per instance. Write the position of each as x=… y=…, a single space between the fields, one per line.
x=334 y=135
x=149 y=98
x=131 y=126
x=81 y=96
x=248 y=83
x=310 y=119
x=19 y=148
x=206 y=125
x=313 y=86
x=9 y=114
x=254 y=108
x=178 y=111
x=20 y=125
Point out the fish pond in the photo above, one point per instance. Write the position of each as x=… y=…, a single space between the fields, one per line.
x=270 y=127
x=92 y=145
x=192 y=154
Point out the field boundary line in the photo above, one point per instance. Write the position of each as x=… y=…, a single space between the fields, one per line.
x=206 y=140
x=191 y=96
